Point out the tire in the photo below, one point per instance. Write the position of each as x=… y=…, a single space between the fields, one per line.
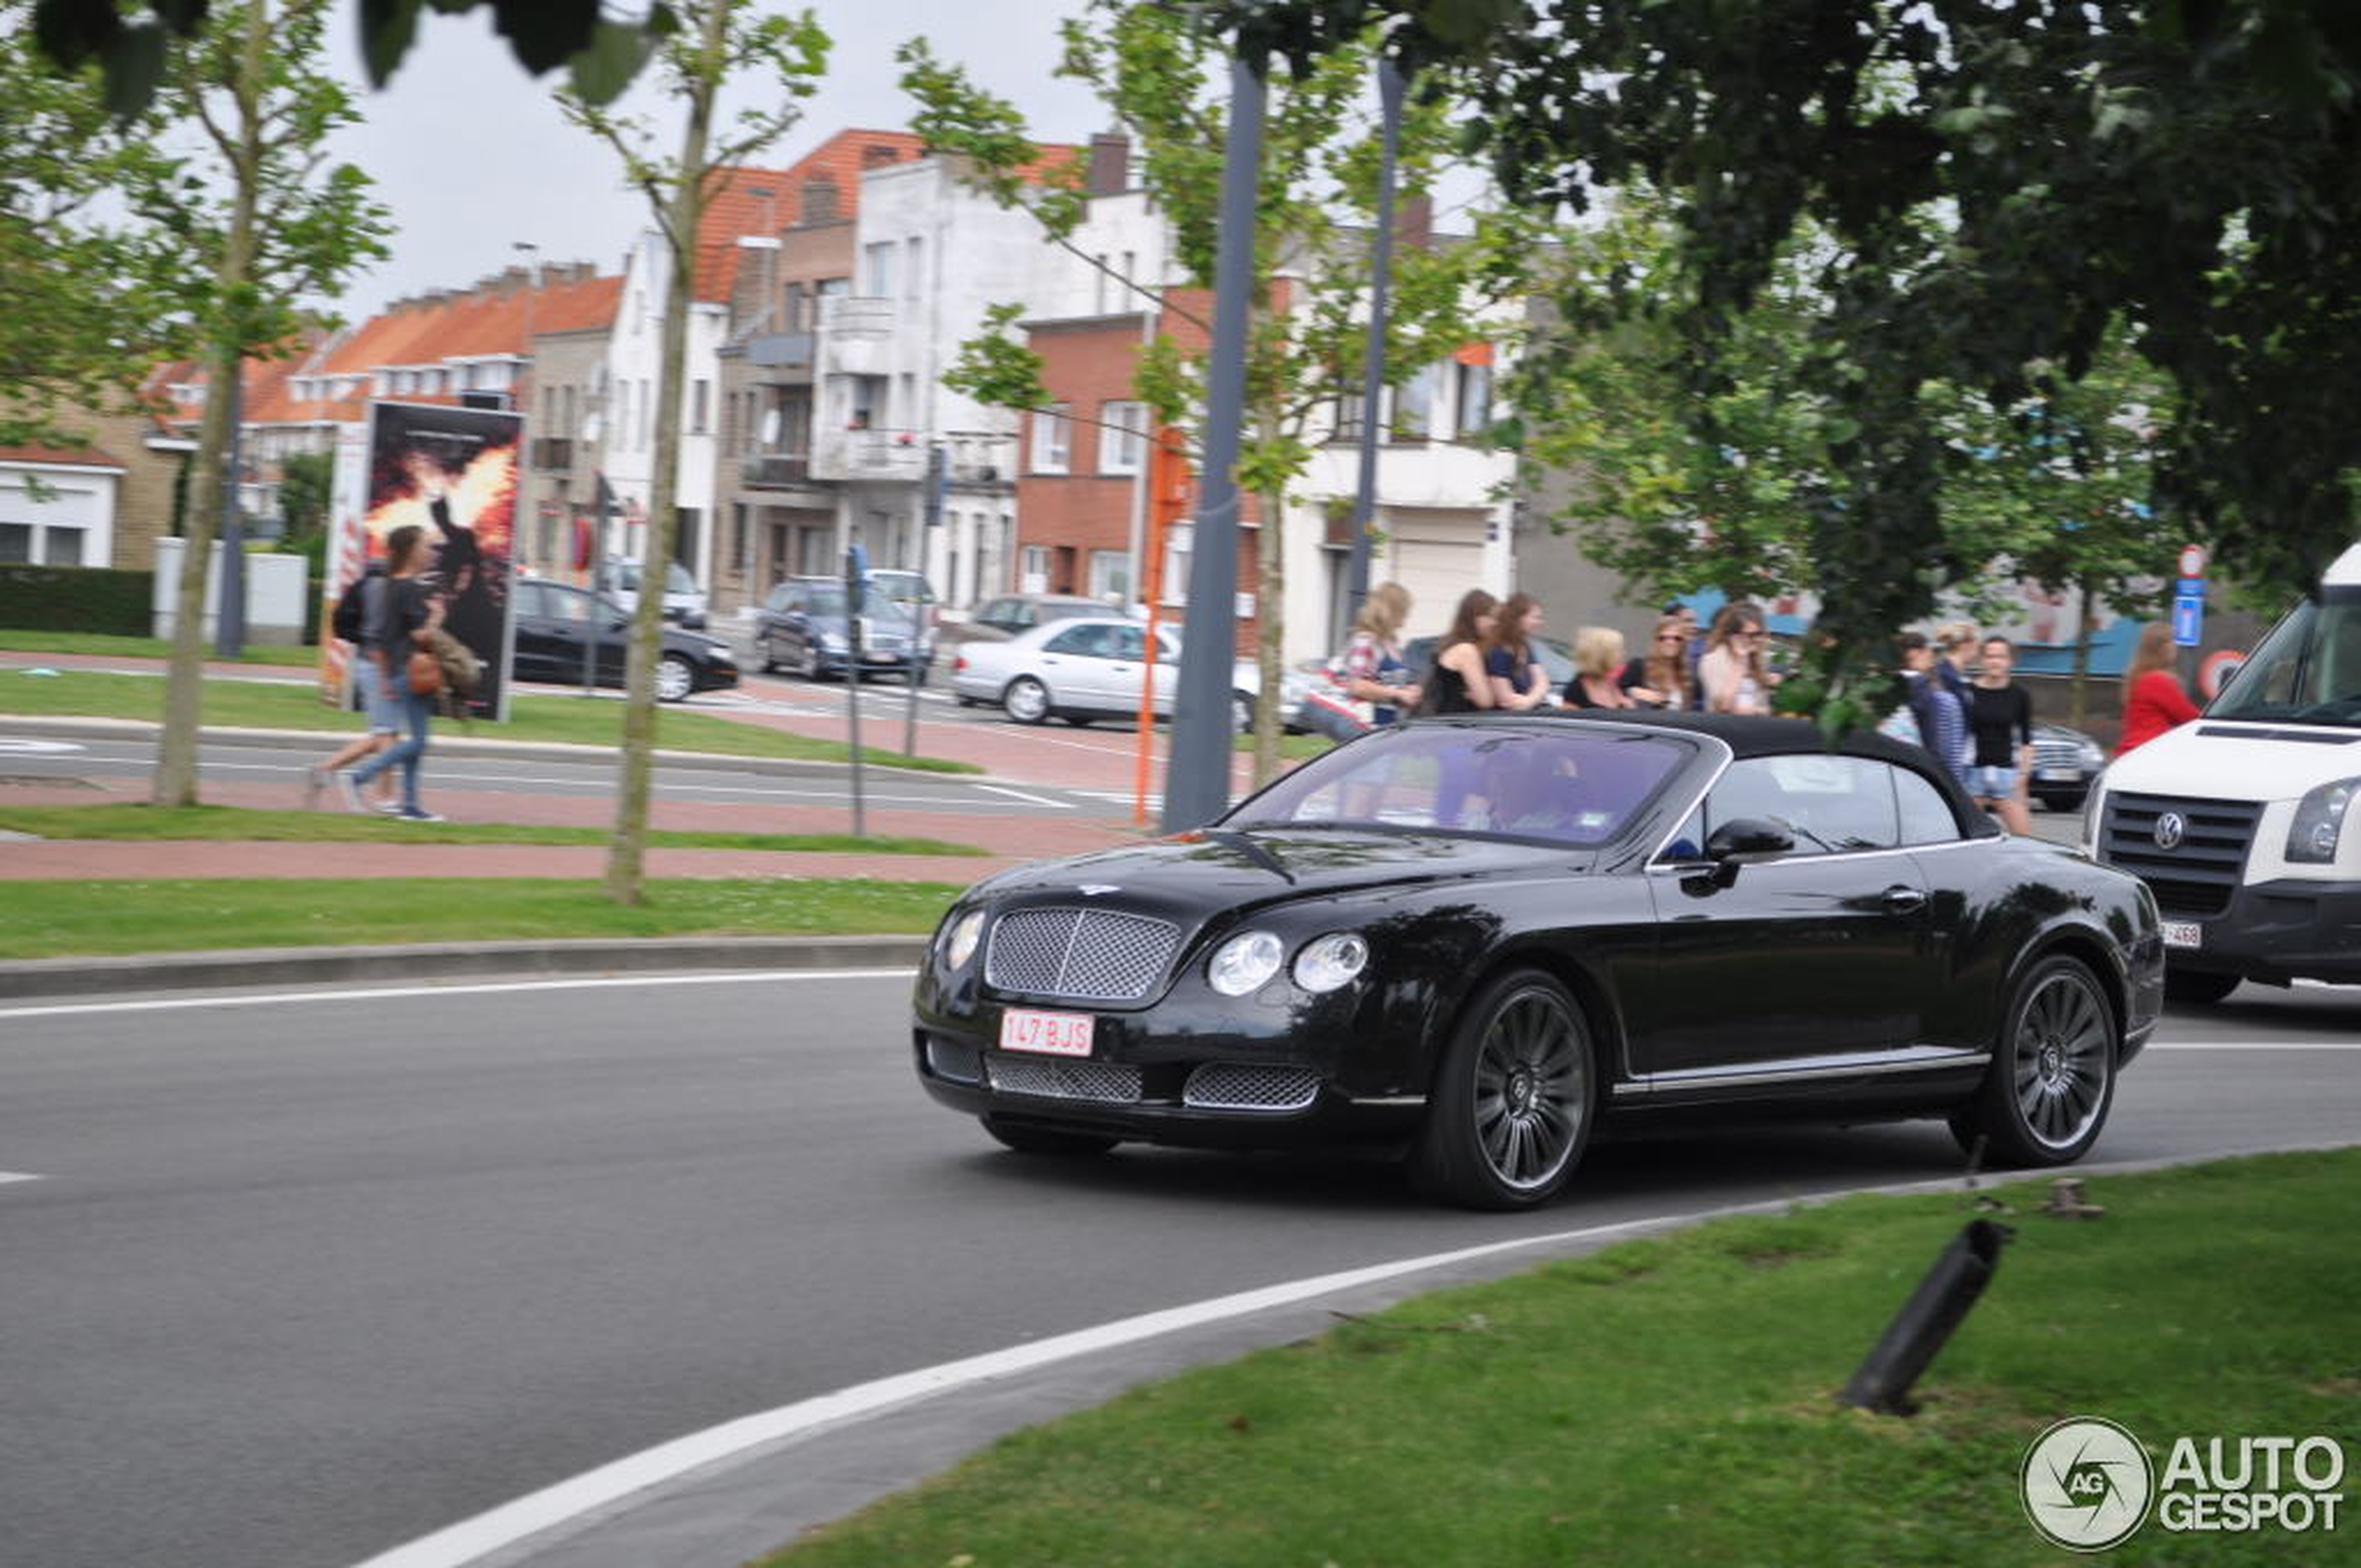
x=763 y=657
x=812 y=668
x=2045 y=1099
x=1514 y=1097
x=1025 y=701
x=965 y=701
x=1044 y=1140
x=1079 y=720
x=2060 y=802
x=676 y=677
x=2195 y=985
x=1242 y=713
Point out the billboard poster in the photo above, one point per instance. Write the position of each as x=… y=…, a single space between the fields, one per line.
x=455 y=472
x=348 y=553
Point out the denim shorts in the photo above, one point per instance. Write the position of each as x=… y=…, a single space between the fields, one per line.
x=382 y=698
x=1992 y=784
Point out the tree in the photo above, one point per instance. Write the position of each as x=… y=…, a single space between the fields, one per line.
x=2003 y=182
x=78 y=326
x=250 y=226
x=306 y=485
x=1159 y=77
x=710 y=44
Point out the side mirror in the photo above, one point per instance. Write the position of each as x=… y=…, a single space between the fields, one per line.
x=1728 y=845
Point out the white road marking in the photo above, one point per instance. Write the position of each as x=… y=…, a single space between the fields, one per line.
x=20 y=745
x=8 y=1176
x=485 y=988
x=1020 y=795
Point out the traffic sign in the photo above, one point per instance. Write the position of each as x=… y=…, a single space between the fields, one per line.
x=2189 y=587
x=2193 y=560
x=2188 y=621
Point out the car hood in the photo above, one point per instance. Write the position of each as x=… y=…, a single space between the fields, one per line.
x=1192 y=873
x=2222 y=759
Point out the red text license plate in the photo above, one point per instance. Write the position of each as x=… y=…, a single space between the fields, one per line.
x=1049 y=1034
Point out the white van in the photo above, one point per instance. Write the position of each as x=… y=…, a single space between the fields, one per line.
x=2242 y=823
x=683 y=600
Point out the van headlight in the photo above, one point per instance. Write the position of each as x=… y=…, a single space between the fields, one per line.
x=1244 y=963
x=1330 y=961
x=2319 y=822
x=960 y=941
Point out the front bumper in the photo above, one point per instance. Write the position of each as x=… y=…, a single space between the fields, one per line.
x=2278 y=931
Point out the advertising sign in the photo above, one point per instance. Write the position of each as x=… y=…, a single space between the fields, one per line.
x=454 y=472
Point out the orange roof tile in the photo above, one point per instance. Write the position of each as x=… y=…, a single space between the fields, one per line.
x=64 y=458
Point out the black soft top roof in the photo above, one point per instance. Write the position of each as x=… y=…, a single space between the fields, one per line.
x=1751 y=736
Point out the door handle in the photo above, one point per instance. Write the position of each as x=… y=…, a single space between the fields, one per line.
x=1905 y=901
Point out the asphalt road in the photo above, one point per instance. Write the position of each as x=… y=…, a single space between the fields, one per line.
x=297 y=1282
x=46 y=758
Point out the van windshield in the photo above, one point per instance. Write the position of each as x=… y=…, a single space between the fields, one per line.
x=2307 y=671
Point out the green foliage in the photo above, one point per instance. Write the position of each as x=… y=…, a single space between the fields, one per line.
x=305 y=479
x=76 y=599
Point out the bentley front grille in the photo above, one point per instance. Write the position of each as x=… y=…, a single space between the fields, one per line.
x=1110 y=1083
x=1238 y=1086
x=1090 y=954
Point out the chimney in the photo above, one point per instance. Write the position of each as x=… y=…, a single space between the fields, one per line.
x=1414 y=221
x=819 y=201
x=1110 y=171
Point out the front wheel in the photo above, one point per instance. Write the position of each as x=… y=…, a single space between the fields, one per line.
x=768 y=660
x=1513 y=1100
x=2193 y=985
x=1027 y=701
x=675 y=679
x=1046 y=1140
x=2046 y=1096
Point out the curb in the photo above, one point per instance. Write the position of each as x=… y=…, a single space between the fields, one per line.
x=447 y=960
x=515 y=751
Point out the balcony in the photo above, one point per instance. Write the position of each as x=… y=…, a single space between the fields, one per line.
x=870 y=455
x=788 y=353
x=774 y=471
x=854 y=333
x=552 y=454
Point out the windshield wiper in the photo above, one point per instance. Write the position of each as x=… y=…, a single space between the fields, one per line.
x=1230 y=837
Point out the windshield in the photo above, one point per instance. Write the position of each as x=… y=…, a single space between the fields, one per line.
x=2307 y=671
x=1556 y=783
x=827 y=603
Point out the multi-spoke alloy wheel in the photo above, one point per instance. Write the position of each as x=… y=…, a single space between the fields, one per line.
x=1514 y=1097
x=2053 y=1076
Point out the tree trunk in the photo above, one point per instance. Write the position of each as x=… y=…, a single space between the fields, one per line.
x=176 y=778
x=2085 y=620
x=626 y=850
x=1269 y=643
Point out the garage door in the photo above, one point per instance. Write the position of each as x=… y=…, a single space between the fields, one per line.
x=1438 y=556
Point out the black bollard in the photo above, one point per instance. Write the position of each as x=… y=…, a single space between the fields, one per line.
x=1927 y=1320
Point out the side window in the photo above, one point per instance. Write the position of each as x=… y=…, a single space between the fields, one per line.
x=996 y=613
x=533 y=600
x=1926 y=816
x=1129 y=643
x=1831 y=804
x=563 y=605
x=1088 y=642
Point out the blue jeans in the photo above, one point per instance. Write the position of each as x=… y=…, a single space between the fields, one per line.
x=394 y=689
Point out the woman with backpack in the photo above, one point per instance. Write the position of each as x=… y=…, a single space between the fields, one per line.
x=345 y=627
x=397 y=617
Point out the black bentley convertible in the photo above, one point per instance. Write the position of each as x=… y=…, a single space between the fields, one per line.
x=1467 y=939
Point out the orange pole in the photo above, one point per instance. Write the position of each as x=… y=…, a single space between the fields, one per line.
x=1168 y=491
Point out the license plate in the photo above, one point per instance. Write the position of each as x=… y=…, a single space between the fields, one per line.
x=1046 y=1034
x=2063 y=774
x=2182 y=933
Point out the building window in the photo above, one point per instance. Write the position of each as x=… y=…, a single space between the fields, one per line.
x=1122 y=441
x=1413 y=408
x=1473 y=414
x=868 y=410
x=1111 y=575
x=647 y=418
x=62 y=546
x=913 y=281
x=686 y=520
x=1177 y=540
x=791 y=316
x=742 y=537
x=1348 y=425
x=15 y=543
x=1053 y=442
x=876 y=270
x=1034 y=575
x=1098 y=281
x=699 y=393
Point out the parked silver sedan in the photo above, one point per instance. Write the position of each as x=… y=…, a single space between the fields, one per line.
x=1083 y=669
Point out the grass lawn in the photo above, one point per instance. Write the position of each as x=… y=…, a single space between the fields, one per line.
x=87 y=694
x=142 y=647
x=1670 y=1402
x=152 y=822
x=54 y=919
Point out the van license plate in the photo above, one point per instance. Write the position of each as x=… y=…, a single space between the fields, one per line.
x=2182 y=933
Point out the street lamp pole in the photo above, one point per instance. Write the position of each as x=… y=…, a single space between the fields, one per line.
x=1365 y=503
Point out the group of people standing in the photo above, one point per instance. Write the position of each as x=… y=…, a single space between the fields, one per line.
x=1979 y=727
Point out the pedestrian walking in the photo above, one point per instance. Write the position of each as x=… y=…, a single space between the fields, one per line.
x=397 y=616
x=1941 y=718
x=2000 y=726
x=1734 y=673
x=1598 y=667
x=1519 y=683
x=1458 y=683
x=2154 y=700
x=1373 y=669
x=1664 y=676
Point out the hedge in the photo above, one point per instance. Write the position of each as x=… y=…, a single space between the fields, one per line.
x=88 y=598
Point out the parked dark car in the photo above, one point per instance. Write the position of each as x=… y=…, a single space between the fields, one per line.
x=2065 y=763
x=554 y=624
x=1555 y=658
x=1464 y=941
x=802 y=626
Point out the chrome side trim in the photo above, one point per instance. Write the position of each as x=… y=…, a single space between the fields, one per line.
x=1807 y=1069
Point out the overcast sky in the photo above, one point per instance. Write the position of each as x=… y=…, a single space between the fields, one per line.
x=473 y=156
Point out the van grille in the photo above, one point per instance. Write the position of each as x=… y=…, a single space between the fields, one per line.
x=1091 y=955
x=2197 y=874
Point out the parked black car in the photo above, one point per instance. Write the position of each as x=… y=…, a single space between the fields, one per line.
x=802 y=626
x=1466 y=939
x=554 y=624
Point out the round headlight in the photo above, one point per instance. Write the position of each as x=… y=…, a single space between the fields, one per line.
x=1244 y=962
x=1330 y=961
x=959 y=944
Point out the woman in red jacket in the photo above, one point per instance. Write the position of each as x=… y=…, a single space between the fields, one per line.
x=2153 y=700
